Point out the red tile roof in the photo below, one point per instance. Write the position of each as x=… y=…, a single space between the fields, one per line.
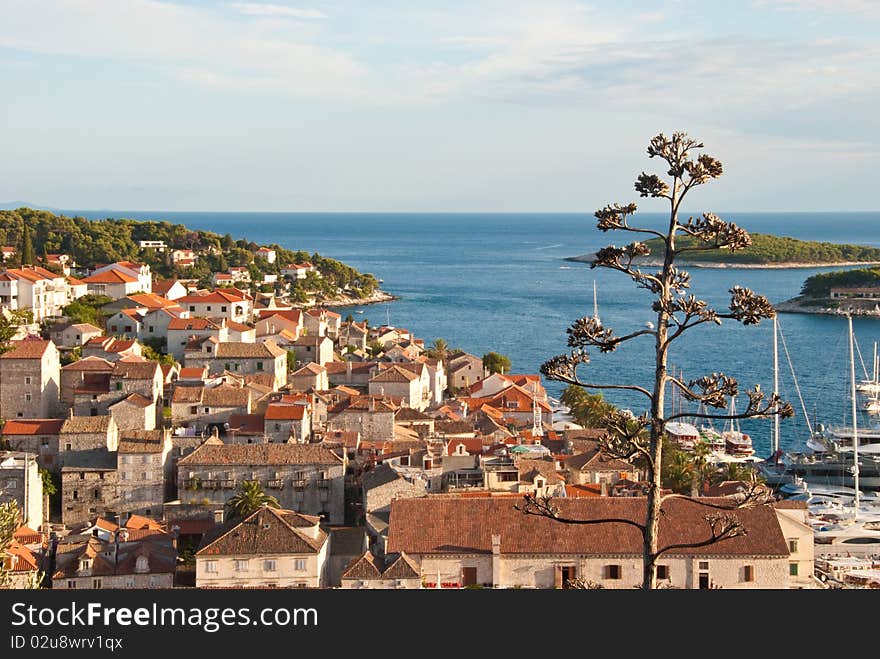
x=33 y=426
x=29 y=348
x=112 y=276
x=438 y=525
x=285 y=412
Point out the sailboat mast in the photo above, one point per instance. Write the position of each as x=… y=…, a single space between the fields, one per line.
x=852 y=377
x=595 y=302
x=775 y=385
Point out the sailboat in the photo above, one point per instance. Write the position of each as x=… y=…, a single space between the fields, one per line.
x=736 y=442
x=871 y=387
x=840 y=464
x=595 y=305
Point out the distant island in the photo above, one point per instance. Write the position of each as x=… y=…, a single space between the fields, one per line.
x=174 y=251
x=840 y=292
x=766 y=251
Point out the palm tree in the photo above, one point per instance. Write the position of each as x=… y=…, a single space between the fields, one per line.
x=732 y=471
x=250 y=498
x=678 y=474
x=439 y=350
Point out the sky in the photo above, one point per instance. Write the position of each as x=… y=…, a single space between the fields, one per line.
x=423 y=105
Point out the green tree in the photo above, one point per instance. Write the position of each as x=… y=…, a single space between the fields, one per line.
x=439 y=350
x=248 y=499
x=589 y=410
x=27 y=247
x=291 y=360
x=496 y=363
x=10 y=520
x=677 y=313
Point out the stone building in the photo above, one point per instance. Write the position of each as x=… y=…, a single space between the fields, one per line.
x=268 y=549
x=85 y=434
x=198 y=406
x=71 y=335
x=143 y=467
x=372 y=416
x=393 y=571
x=464 y=370
x=88 y=373
x=313 y=348
x=30 y=373
x=20 y=482
x=486 y=541
x=134 y=412
x=37 y=436
x=310 y=376
x=144 y=557
x=89 y=486
x=288 y=422
x=304 y=477
x=411 y=384
x=242 y=359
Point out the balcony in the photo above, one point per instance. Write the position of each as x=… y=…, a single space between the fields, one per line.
x=323 y=482
x=299 y=483
x=275 y=484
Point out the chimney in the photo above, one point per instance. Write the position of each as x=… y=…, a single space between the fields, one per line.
x=604 y=489
x=348 y=371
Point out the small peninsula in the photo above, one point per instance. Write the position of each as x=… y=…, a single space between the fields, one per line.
x=766 y=251
x=839 y=292
x=175 y=251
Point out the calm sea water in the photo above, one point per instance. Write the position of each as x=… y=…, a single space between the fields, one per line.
x=499 y=282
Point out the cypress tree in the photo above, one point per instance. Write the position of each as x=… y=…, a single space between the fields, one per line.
x=27 y=248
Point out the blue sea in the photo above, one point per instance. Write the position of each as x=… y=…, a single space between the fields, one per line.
x=499 y=282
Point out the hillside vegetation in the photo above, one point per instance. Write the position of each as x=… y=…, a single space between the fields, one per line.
x=769 y=249
x=93 y=242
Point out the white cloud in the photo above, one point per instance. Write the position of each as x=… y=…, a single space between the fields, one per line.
x=865 y=7
x=264 y=9
x=199 y=44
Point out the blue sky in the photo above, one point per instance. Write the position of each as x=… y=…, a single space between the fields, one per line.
x=515 y=105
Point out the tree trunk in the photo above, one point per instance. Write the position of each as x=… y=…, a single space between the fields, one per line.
x=652 y=521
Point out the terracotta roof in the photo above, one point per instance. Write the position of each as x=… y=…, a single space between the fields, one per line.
x=465 y=526
x=135 y=369
x=337 y=368
x=193 y=324
x=151 y=301
x=27 y=536
x=129 y=444
x=394 y=373
x=23 y=559
x=29 y=348
x=349 y=438
x=309 y=370
x=238 y=327
x=247 y=424
x=162 y=286
x=285 y=412
x=365 y=566
x=531 y=469
x=33 y=426
x=362 y=404
x=191 y=373
x=472 y=445
x=223 y=395
x=111 y=276
x=596 y=460
x=454 y=427
x=266 y=531
x=134 y=399
x=86 y=424
x=73 y=281
x=221 y=295
x=239 y=350
x=294 y=315
x=580 y=491
x=259 y=454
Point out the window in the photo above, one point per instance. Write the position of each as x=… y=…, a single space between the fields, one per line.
x=299 y=564
x=71 y=584
x=269 y=566
x=67 y=446
x=704 y=565
x=97 y=493
x=211 y=566
x=143 y=476
x=748 y=572
x=207 y=410
x=259 y=366
x=27 y=379
x=539 y=483
x=227 y=367
x=27 y=397
x=193 y=409
x=96 y=583
x=128 y=328
x=114 y=328
x=118 y=386
x=129 y=583
x=223 y=309
x=792 y=546
x=75 y=495
x=209 y=307
x=704 y=580
x=612 y=572
x=792 y=569
x=662 y=571
x=241 y=565
x=192 y=308
x=151 y=329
